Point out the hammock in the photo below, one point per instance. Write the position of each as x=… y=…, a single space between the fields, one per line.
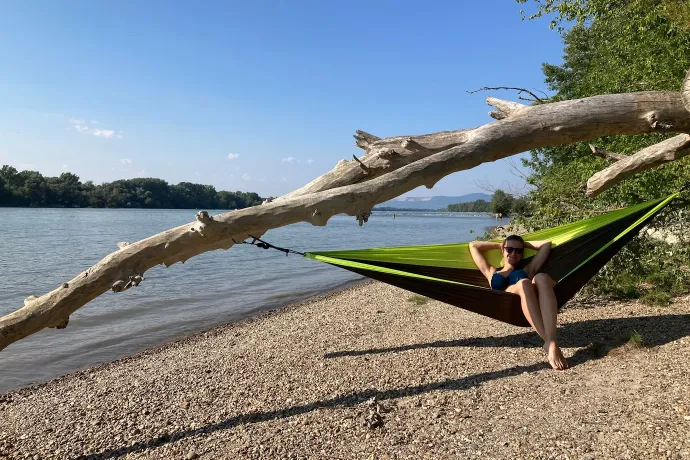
x=446 y=272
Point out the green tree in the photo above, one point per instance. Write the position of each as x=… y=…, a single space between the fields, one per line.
x=615 y=46
x=30 y=188
x=471 y=206
x=501 y=202
x=521 y=207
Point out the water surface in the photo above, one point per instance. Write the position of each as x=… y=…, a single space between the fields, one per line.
x=42 y=248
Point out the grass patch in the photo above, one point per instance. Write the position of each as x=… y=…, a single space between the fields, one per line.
x=635 y=340
x=657 y=297
x=418 y=299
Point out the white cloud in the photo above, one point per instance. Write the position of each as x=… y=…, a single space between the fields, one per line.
x=246 y=176
x=288 y=160
x=232 y=156
x=126 y=161
x=310 y=161
x=106 y=133
x=82 y=126
x=64 y=167
x=79 y=125
x=141 y=173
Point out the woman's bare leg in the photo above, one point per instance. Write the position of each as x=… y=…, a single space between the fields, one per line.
x=548 y=307
x=530 y=304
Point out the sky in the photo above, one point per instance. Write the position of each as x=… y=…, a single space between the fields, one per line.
x=258 y=96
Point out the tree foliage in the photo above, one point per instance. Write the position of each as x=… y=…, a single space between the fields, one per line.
x=614 y=46
x=30 y=188
x=502 y=202
x=470 y=206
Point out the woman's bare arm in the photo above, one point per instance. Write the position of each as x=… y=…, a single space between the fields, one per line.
x=543 y=248
x=477 y=249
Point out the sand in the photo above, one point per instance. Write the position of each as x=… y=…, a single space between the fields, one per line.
x=365 y=373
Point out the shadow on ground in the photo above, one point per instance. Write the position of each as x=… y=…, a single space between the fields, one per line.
x=599 y=336
x=594 y=339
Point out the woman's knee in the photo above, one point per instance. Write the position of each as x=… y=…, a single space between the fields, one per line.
x=524 y=285
x=542 y=279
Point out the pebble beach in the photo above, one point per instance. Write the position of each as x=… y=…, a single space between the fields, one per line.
x=373 y=372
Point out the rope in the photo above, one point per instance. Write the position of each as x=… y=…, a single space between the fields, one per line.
x=265 y=245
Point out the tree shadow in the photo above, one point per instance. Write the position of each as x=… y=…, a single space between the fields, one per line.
x=594 y=339
x=598 y=336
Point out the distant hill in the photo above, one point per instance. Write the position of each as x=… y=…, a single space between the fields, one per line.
x=431 y=202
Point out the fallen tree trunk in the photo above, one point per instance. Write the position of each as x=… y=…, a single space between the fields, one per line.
x=390 y=168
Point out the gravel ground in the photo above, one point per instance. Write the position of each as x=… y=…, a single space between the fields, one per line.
x=365 y=373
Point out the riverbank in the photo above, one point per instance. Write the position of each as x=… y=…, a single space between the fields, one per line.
x=366 y=373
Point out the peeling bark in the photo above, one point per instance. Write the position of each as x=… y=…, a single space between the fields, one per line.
x=394 y=166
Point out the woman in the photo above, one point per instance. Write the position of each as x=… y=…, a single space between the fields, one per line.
x=535 y=289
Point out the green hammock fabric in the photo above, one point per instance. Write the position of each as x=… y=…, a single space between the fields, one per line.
x=446 y=272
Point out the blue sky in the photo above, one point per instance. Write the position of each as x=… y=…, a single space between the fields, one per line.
x=256 y=96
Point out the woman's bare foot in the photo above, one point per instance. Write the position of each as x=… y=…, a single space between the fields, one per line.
x=556 y=358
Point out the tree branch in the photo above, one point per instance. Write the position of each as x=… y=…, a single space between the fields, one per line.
x=669 y=150
x=504 y=109
x=530 y=128
x=519 y=90
x=605 y=154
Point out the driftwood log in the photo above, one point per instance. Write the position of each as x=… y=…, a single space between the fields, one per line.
x=389 y=168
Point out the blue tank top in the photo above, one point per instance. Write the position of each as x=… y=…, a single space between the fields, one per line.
x=500 y=282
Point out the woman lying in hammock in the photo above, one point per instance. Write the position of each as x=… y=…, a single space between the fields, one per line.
x=535 y=289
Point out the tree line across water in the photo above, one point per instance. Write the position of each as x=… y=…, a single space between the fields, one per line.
x=501 y=203
x=32 y=189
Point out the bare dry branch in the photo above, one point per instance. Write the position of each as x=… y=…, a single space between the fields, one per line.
x=350 y=192
x=504 y=109
x=519 y=90
x=669 y=150
x=605 y=154
x=514 y=169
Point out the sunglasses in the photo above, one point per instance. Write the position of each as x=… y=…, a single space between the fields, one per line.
x=510 y=250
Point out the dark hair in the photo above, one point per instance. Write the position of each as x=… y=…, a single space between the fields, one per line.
x=513 y=238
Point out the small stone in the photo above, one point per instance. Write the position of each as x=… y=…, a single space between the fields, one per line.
x=191 y=455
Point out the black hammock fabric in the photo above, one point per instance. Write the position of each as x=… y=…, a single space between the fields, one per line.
x=447 y=272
